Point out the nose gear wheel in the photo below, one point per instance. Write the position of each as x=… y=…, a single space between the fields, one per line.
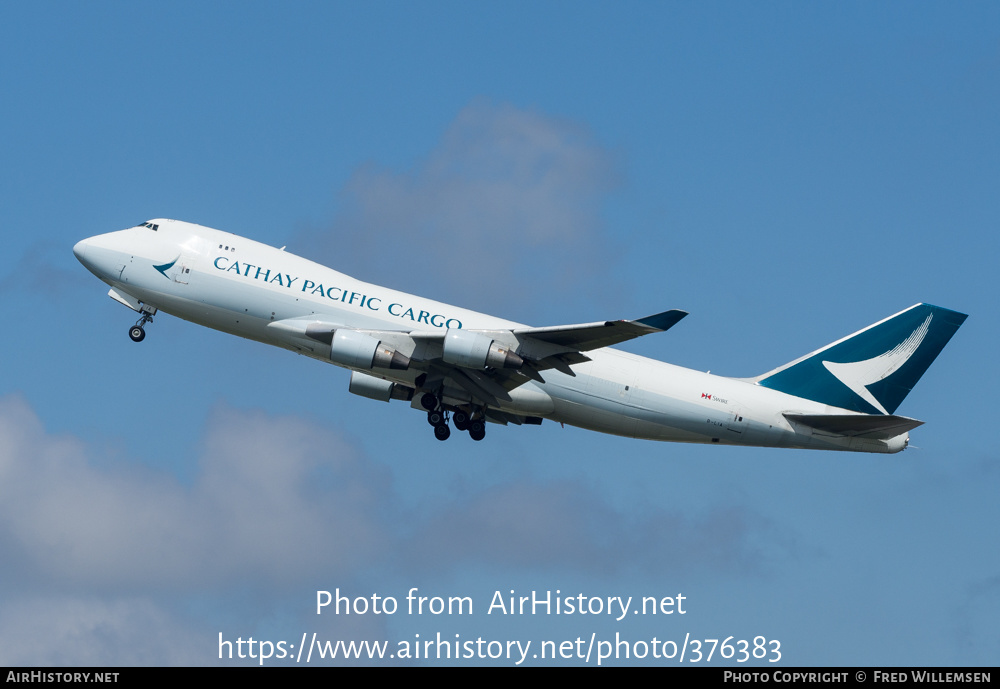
x=137 y=333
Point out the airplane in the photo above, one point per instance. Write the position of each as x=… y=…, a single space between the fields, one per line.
x=466 y=368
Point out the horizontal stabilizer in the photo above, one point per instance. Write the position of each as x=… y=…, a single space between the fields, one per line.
x=857 y=425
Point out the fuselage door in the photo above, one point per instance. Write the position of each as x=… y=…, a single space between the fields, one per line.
x=735 y=422
x=180 y=272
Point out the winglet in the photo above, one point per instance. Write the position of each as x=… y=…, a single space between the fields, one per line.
x=663 y=321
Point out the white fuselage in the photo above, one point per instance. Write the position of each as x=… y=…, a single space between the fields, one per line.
x=239 y=286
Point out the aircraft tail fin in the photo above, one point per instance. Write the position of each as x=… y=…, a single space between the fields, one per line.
x=874 y=369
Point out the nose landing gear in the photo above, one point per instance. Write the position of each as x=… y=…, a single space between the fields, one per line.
x=136 y=332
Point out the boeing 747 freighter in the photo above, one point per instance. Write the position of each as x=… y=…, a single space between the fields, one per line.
x=464 y=368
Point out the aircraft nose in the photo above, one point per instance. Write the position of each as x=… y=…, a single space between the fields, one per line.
x=92 y=255
x=105 y=255
x=80 y=250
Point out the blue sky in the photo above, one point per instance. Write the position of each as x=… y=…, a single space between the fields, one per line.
x=787 y=173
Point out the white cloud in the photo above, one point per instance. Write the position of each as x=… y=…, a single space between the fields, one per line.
x=274 y=498
x=278 y=500
x=508 y=204
x=99 y=558
x=87 y=631
x=568 y=524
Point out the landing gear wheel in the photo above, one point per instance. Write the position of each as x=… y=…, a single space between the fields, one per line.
x=429 y=401
x=136 y=332
x=442 y=432
x=435 y=418
x=461 y=420
x=477 y=430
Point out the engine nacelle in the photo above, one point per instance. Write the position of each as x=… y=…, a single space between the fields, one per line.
x=358 y=350
x=476 y=350
x=377 y=389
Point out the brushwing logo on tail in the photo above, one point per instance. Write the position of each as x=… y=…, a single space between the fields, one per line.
x=858 y=375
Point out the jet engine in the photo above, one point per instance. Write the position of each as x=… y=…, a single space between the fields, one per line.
x=377 y=389
x=358 y=350
x=476 y=350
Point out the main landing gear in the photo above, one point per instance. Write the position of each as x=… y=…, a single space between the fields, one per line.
x=136 y=332
x=438 y=418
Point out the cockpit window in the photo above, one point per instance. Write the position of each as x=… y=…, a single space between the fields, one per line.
x=150 y=225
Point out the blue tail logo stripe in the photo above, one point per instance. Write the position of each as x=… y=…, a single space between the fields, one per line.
x=874 y=369
x=859 y=375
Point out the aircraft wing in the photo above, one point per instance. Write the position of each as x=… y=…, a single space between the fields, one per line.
x=561 y=346
x=534 y=350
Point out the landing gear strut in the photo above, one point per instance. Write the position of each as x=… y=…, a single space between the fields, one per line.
x=473 y=422
x=465 y=421
x=436 y=416
x=136 y=332
x=477 y=429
